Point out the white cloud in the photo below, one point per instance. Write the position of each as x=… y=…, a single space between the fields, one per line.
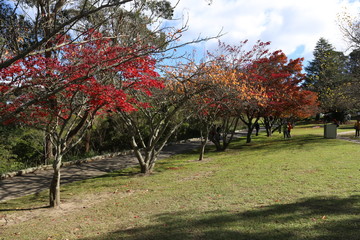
x=290 y=25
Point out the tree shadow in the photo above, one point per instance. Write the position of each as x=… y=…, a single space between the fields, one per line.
x=23 y=209
x=313 y=218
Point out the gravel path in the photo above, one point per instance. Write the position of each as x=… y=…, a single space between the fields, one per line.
x=343 y=136
x=40 y=180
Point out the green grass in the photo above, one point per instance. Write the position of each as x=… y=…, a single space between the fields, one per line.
x=306 y=187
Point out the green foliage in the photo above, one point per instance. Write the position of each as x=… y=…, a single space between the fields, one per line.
x=28 y=146
x=186 y=131
x=354 y=85
x=20 y=147
x=327 y=74
x=7 y=160
x=104 y=138
x=162 y=8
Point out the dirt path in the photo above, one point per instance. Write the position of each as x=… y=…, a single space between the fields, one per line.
x=344 y=136
x=40 y=180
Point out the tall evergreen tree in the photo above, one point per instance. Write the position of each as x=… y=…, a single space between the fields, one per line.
x=354 y=63
x=326 y=75
x=354 y=85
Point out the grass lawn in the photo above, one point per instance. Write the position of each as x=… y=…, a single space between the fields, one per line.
x=306 y=187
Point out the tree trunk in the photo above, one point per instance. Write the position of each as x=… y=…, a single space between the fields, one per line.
x=147 y=167
x=204 y=140
x=268 y=129
x=268 y=132
x=249 y=132
x=226 y=140
x=204 y=136
x=87 y=141
x=55 y=184
x=202 y=151
x=146 y=160
x=144 y=168
x=48 y=150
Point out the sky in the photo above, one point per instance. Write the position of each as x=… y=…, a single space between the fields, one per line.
x=294 y=26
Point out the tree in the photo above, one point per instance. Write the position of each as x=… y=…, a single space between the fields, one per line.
x=50 y=19
x=259 y=84
x=89 y=87
x=285 y=98
x=352 y=87
x=209 y=107
x=216 y=107
x=128 y=26
x=205 y=120
x=73 y=20
x=326 y=75
x=153 y=123
x=349 y=25
x=240 y=90
x=13 y=40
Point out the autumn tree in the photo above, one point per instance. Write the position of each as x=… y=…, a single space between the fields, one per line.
x=205 y=119
x=307 y=105
x=152 y=124
x=259 y=83
x=130 y=27
x=89 y=87
x=284 y=97
x=27 y=34
x=217 y=117
x=245 y=93
x=73 y=20
x=210 y=106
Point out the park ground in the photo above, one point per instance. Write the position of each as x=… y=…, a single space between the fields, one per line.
x=306 y=187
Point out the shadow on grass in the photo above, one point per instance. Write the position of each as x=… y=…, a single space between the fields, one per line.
x=26 y=203
x=127 y=172
x=313 y=218
x=23 y=209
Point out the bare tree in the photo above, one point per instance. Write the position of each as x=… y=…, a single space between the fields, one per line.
x=160 y=114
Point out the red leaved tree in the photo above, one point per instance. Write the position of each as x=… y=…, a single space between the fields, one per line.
x=243 y=88
x=92 y=78
x=281 y=81
x=260 y=83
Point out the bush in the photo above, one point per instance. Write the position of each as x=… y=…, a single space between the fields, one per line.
x=186 y=131
x=20 y=148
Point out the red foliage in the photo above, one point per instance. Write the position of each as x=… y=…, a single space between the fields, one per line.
x=280 y=81
x=94 y=74
x=261 y=83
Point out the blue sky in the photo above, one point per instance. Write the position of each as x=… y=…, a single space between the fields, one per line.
x=291 y=25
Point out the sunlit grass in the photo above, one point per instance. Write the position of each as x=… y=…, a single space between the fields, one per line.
x=306 y=187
